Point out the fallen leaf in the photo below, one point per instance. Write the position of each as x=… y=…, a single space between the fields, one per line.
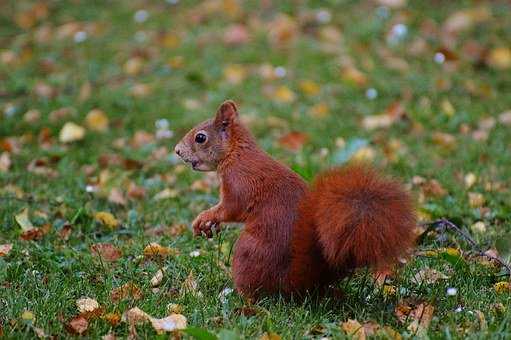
x=106 y=251
x=236 y=34
x=109 y=336
x=443 y=139
x=354 y=329
x=392 y=3
x=189 y=285
x=127 y=291
x=28 y=315
x=24 y=221
x=5 y=249
x=502 y=287
x=392 y=114
x=353 y=75
x=112 y=318
x=309 y=87
x=429 y=276
x=5 y=162
x=293 y=141
x=235 y=73
x=133 y=66
x=106 y=219
x=87 y=305
x=270 y=336
x=71 y=132
x=168 y=324
x=155 y=249
x=505 y=118
x=97 y=120
x=433 y=188
x=500 y=58
x=283 y=94
x=141 y=138
x=116 y=196
x=77 y=325
x=470 y=179
x=476 y=199
x=422 y=316
x=157 y=278
x=282 y=31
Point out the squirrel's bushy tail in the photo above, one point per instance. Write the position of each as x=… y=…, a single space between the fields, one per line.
x=361 y=218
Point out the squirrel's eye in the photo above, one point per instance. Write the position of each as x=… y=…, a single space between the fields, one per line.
x=200 y=138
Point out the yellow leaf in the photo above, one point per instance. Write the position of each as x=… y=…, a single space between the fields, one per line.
x=284 y=95
x=71 y=132
x=502 y=287
x=155 y=249
x=24 y=221
x=97 y=120
x=133 y=66
x=319 y=110
x=28 y=315
x=500 y=58
x=309 y=87
x=389 y=290
x=107 y=219
x=235 y=74
x=270 y=336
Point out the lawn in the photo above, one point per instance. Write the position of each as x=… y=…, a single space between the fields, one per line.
x=93 y=204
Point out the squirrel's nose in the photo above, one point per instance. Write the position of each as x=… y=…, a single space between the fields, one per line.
x=177 y=150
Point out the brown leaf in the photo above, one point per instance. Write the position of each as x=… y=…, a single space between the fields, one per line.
x=429 y=275
x=141 y=138
x=77 y=325
x=354 y=328
x=293 y=141
x=433 y=188
x=66 y=231
x=127 y=291
x=116 y=196
x=106 y=251
x=112 y=318
x=270 y=336
x=168 y=324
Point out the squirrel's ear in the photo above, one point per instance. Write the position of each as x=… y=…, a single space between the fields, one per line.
x=226 y=114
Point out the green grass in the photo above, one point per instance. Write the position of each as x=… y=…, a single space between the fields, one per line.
x=47 y=276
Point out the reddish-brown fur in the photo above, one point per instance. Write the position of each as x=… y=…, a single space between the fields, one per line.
x=296 y=239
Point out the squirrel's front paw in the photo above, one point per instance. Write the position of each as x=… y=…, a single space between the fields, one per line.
x=204 y=224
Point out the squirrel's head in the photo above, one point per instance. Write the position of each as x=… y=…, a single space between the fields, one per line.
x=207 y=144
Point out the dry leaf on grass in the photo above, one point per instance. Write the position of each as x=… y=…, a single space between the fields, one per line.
x=77 y=325
x=170 y=323
x=155 y=249
x=5 y=162
x=270 y=336
x=107 y=219
x=5 y=249
x=429 y=276
x=354 y=329
x=106 y=251
x=129 y=290
x=71 y=132
x=97 y=120
x=112 y=318
x=157 y=278
x=87 y=306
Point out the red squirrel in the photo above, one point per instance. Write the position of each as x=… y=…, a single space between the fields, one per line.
x=297 y=238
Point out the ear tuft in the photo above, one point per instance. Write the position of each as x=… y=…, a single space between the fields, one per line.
x=226 y=113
